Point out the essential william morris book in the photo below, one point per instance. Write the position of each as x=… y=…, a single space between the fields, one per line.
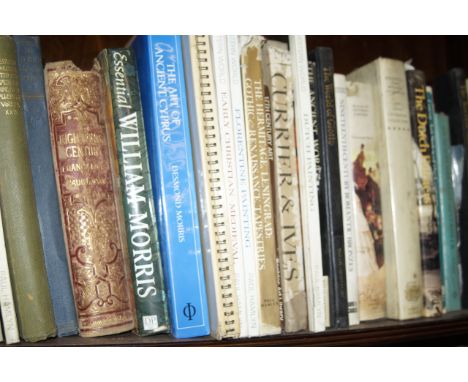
x=425 y=192
x=7 y=304
x=307 y=162
x=278 y=80
x=347 y=196
x=363 y=125
x=88 y=199
x=329 y=188
x=162 y=84
x=397 y=186
x=31 y=75
x=260 y=183
x=450 y=96
x=128 y=148
x=446 y=207
x=21 y=228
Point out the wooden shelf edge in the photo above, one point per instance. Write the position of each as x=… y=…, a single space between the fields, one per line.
x=375 y=333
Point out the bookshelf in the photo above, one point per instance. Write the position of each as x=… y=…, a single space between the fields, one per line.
x=434 y=55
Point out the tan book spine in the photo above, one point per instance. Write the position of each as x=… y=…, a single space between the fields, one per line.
x=213 y=205
x=260 y=180
x=398 y=191
x=278 y=78
x=88 y=200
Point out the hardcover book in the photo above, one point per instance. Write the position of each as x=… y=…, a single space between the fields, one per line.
x=7 y=304
x=162 y=84
x=260 y=183
x=347 y=196
x=128 y=143
x=278 y=80
x=31 y=75
x=329 y=188
x=397 y=186
x=446 y=207
x=426 y=194
x=367 y=217
x=450 y=97
x=307 y=168
x=17 y=203
x=88 y=200
x=228 y=153
x=243 y=185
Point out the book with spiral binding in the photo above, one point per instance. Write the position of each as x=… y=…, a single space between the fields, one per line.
x=162 y=84
x=214 y=220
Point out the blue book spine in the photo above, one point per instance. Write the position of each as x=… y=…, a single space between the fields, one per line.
x=40 y=155
x=162 y=85
x=446 y=209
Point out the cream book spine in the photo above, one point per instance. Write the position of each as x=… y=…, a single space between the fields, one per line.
x=313 y=270
x=347 y=196
x=214 y=219
x=278 y=81
x=260 y=183
x=7 y=304
x=246 y=228
x=398 y=187
x=227 y=137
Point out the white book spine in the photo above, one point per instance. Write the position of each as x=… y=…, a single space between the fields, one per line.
x=7 y=304
x=243 y=185
x=226 y=125
x=308 y=185
x=347 y=195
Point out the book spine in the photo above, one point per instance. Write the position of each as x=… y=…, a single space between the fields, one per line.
x=347 y=197
x=88 y=200
x=162 y=83
x=228 y=151
x=127 y=136
x=307 y=163
x=446 y=208
x=367 y=216
x=260 y=179
x=243 y=184
x=22 y=233
x=48 y=211
x=331 y=219
x=7 y=304
x=278 y=79
x=398 y=192
x=425 y=192
x=216 y=237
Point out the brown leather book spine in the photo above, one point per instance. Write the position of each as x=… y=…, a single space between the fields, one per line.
x=88 y=200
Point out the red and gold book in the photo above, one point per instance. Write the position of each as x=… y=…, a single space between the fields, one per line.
x=88 y=200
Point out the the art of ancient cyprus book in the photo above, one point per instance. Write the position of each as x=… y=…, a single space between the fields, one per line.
x=21 y=228
x=260 y=181
x=88 y=200
x=210 y=174
x=219 y=52
x=398 y=186
x=307 y=163
x=347 y=196
x=7 y=304
x=367 y=215
x=425 y=192
x=278 y=80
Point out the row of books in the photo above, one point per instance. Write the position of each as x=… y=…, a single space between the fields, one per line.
x=225 y=185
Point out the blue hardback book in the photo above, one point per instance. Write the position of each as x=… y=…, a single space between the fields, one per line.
x=162 y=84
x=40 y=154
x=446 y=208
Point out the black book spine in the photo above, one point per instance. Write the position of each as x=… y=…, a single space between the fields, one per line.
x=331 y=219
x=451 y=98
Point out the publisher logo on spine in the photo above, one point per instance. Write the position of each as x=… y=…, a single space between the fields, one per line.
x=189 y=311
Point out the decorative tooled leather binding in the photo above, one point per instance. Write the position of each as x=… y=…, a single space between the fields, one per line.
x=90 y=218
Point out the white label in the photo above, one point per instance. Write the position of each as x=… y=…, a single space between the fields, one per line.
x=150 y=322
